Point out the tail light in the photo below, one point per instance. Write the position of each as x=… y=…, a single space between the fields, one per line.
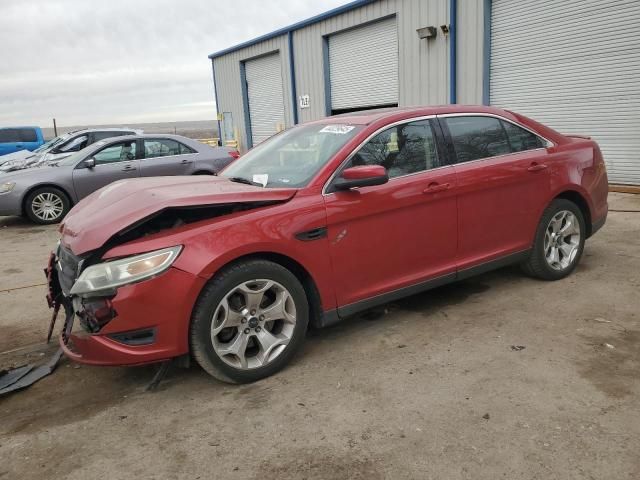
x=234 y=154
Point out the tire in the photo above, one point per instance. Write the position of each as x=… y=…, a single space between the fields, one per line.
x=46 y=205
x=268 y=344
x=560 y=216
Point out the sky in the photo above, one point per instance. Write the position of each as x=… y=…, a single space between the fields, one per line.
x=91 y=62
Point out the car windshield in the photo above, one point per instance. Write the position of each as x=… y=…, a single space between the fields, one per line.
x=291 y=158
x=72 y=159
x=47 y=145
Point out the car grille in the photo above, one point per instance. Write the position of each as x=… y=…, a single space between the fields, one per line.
x=68 y=268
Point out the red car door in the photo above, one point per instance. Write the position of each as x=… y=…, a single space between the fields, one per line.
x=503 y=186
x=399 y=234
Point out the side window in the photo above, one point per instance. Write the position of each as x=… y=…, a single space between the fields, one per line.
x=9 y=135
x=119 y=152
x=184 y=149
x=521 y=139
x=27 y=135
x=477 y=137
x=97 y=136
x=402 y=149
x=160 y=148
x=74 y=145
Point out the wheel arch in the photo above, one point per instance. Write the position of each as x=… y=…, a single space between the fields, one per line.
x=295 y=267
x=33 y=188
x=579 y=199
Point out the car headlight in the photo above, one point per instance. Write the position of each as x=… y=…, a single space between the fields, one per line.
x=7 y=187
x=109 y=275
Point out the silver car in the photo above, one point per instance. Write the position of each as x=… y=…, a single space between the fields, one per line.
x=45 y=194
x=61 y=147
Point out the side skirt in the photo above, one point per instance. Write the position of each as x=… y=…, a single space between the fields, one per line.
x=331 y=317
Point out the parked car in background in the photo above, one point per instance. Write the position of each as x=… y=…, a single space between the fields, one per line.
x=15 y=139
x=46 y=194
x=315 y=224
x=63 y=146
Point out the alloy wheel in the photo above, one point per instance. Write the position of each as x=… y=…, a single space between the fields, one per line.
x=562 y=240
x=47 y=206
x=253 y=324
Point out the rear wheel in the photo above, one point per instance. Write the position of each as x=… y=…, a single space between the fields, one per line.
x=249 y=321
x=47 y=205
x=559 y=241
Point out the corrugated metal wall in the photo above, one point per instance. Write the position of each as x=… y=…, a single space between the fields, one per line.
x=227 y=72
x=423 y=64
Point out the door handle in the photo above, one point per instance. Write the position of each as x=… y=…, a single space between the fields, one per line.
x=537 y=167
x=437 y=187
x=185 y=161
x=128 y=168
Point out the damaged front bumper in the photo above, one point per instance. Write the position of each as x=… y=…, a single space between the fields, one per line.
x=136 y=324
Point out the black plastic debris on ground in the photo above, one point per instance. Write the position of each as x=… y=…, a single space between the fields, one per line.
x=25 y=376
x=517 y=348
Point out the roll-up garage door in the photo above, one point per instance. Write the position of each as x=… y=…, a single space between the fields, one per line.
x=574 y=65
x=266 y=97
x=363 y=66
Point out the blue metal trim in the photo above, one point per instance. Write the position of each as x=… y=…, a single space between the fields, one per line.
x=215 y=95
x=486 y=60
x=453 y=51
x=245 y=104
x=327 y=75
x=292 y=69
x=296 y=26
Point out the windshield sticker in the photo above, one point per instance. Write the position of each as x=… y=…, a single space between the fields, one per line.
x=337 y=129
x=261 y=178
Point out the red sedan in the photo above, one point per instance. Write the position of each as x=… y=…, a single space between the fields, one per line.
x=315 y=224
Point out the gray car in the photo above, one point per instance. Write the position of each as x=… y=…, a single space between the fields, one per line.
x=45 y=194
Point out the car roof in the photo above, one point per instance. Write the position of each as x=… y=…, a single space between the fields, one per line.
x=367 y=117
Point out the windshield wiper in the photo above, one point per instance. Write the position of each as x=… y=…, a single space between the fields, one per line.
x=246 y=181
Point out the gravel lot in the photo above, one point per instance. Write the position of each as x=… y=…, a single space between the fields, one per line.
x=432 y=387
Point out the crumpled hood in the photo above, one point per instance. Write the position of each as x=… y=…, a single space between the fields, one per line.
x=108 y=211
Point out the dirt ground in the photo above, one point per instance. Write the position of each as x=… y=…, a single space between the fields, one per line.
x=436 y=386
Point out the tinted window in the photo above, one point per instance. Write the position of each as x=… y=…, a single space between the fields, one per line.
x=161 y=148
x=119 y=152
x=477 y=137
x=402 y=149
x=16 y=135
x=97 y=136
x=521 y=139
x=74 y=145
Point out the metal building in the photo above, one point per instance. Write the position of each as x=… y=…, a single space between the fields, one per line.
x=574 y=65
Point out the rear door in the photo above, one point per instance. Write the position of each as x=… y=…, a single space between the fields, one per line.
x=387 y=237
x=10 y=141
x=116 y=161
x=503 y=185
x=164 y=157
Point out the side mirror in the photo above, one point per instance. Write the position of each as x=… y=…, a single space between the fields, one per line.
x=361 y=176
x=90 y=162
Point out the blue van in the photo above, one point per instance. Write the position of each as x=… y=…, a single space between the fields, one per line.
x=14 y=139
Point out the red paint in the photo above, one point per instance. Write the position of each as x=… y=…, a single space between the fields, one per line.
x=364 y=171
x=380 y=238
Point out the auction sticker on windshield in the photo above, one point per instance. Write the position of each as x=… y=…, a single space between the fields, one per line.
x=337 y=129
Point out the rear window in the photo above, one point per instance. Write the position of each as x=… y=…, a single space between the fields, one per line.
x=15 y=135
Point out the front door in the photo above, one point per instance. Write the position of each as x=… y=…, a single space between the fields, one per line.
x=503 y=185
x=387 y=237
x=114 y=162
x=165 y=157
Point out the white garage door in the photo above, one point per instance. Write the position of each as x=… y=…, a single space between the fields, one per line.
x=266 y=96
x=363 y=66
x=574 y=65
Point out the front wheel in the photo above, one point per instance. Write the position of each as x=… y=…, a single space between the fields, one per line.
x=559 y=241
x=249 y=321
x=47 y=205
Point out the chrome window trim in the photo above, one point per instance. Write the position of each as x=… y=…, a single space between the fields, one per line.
x=366 y=140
